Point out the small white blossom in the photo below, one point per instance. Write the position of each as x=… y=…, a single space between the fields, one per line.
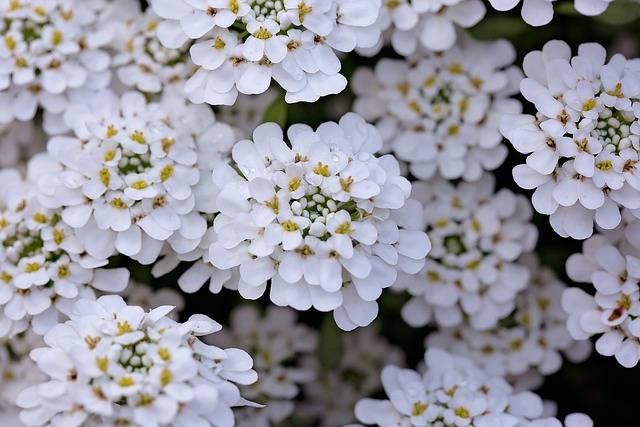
x=430 y=24
x=48 y=49
x=440 y=113
x=241 y=46
x=322 y=219
x=472 y=273
x=532 y=336
x=277 y=343
x=354 y=373
x=114 y=363
x=540 y=12
x=131 y=176
x=611 y=262
x=583 y=143
x=43 y=265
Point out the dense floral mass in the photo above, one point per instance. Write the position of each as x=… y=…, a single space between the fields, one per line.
x=322 y=219
x=241 y=45
x=334 y=180
x=583 y=143
x=440 y=112
x=113 y=363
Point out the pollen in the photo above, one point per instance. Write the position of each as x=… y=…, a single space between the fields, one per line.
x=166 y=376
x=56 y=37
x=294 y=184
x=273 y=204
x=167 y=143
x=105 y=176
x=112 y=131
x=139 y=185
x=166 y=173
x=303 y=10
x=604 y=165
x=58 y=236
x=126 y=382
x=102 y=362
x=6 y=277
x=118 y=203
x=262 y=34
x=10 y=42
x=234 y=7
x=21 y=62
x=322 y=170
x=461 y=412
x=39 y=217
x=617 y=92
x=345 y=228
x=32 y=267
x=345 y=184
x=123 y=328
x=419 y=408
x=138 y=137
x=63 y=271
x=289 y=225
x=109 y=155
x=92 y=342
x=164 y=354
x=219 y=44
x=589 y=104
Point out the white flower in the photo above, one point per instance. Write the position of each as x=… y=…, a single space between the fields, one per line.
x=241 y=46
x=140 y=60
x=453 y=392
x=432 y=23
x=364 y=352
x=540 y=12
x=321 y=219
x=472 y=271
x=276 y=343
x=113 y=362
x=440 y=113
x=583 y=144
x=48 y=49
x=138 y=165
x=532 y=336
x=611 y=263
x=43 y=265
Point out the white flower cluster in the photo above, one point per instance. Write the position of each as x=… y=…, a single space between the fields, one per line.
x=330 y=399
x=43 y=265
x=17 y=372
x=441 y=112
x=114 y=364
x=431 y=24
x=321 y=219
x=531 y=337
x=276 y=342
x=140 y=60
x=453 y=392
x=131 y=176
x=242 y=44
x=48 y=48
x=611 y=262
x=540 y=12
x=583 y=143
x=19 y=141
x=472 y=272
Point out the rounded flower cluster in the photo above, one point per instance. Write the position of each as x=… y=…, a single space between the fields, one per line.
x=276 y=343
x=131 y=175
x=17 y=372
x=427 y=23
x=115 y=364
x=454 y=392
x=611 y=262
x=441 y=112
x=43 y=265
x=348 y=373
x=540 y=12
x=242 y=44
x=583 y=143
x=321 y=218
x=533 y=336
x=140 y=60
x=46 y=49
x=472 y=272
x=19 y=141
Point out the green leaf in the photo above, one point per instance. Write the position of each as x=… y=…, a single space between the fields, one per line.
x=494 y=27
x=276 y=112
x=620 y=12
x=330 y=347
